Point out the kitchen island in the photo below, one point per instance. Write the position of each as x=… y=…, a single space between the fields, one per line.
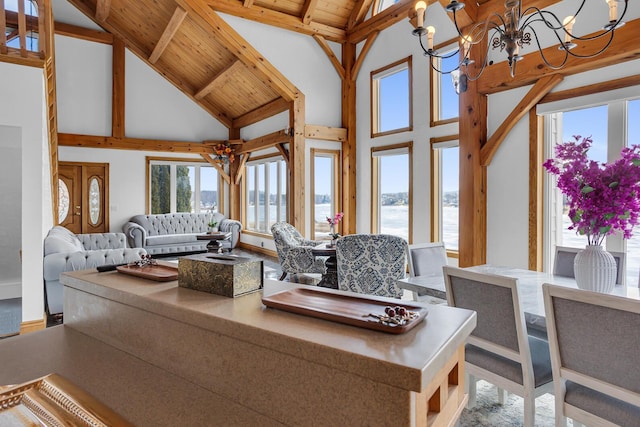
x=256 y=365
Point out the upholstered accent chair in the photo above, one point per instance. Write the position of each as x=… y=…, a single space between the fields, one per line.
x=499 y=349
x=426 y=259
x=594 y=342
x=563 y=262
x=294 y=251
x=371 y=264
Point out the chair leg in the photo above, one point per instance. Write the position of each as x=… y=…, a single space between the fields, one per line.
x=471 y=390
x=284 y=274
x=502 y=396
x=529 y=411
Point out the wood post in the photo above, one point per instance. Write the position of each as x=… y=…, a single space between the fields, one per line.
x=349 y=145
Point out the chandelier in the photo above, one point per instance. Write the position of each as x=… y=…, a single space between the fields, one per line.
x=512 y=31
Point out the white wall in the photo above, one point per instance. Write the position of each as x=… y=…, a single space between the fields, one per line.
x=10 y=211
x=23 y=89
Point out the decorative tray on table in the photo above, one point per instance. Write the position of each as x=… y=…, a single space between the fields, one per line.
x=363 y=311
x=150 y=270
x=53 y=401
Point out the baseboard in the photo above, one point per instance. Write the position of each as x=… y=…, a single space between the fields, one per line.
x=33 y=325
x=258 y=249
x=10 y=290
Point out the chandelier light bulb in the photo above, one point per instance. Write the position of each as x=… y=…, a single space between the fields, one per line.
x=613 y=10
x=420 y=7
x=568 y=26
x=430 y=32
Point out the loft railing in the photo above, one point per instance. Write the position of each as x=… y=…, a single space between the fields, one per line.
x=23 y=30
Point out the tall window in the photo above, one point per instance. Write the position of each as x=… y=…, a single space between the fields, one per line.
x=611 y=126
x=325 y=201
x=391 y=105
x=445 y=186
x=182 y=186
x=391 y=193
x=444 y=99
x=265 y=195
x=31 y=36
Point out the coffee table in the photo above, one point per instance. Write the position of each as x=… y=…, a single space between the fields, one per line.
x=215 y=240
x=330 y=276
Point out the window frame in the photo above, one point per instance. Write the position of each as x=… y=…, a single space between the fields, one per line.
x=435 y=85
x=180 y=161
x=375 y=186
x=437 y=144
x=336 y=196
x=255 y=161
x=375 y=77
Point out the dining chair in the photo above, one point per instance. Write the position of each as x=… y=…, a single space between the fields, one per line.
x=426 y=259
x=499 y=350
x=371 y=264
x=594 y=342
x=563 y=262
x=294 y=251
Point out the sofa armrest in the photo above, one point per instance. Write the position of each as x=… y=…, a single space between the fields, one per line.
x=98 y=241
x=312 y=243
x=57 y=263
x=231 y=225
x=136 y=234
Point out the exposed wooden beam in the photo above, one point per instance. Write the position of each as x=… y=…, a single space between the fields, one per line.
x=265 y=111
x=83 y=33
x=103 y=7
x=308 y=10
x=13 y=57
x=283 y=151
x=235 y=191
x=241 y=168
x=118 y=89
x=247 y=3
x=358 y=13
x=297 y=212
x=466 y=16
x=536 y=194
x=325 y=133
x=349 y=159
x=140 y=144
x=143 y=54
x=209 y=87
x=624 y=47
x=219 y=168
x=170 y=30
x=263 y=142
x=22 y=29
x=3 y=29
x=240 y=47
x=497 y=6
x=536 y=93
x=620 y=83
x=363 y=54
x=277 y=19
x=332 y=56
x=379 y=22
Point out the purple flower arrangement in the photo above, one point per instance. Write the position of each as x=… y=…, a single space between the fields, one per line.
x=333 y=221
x=602 y=197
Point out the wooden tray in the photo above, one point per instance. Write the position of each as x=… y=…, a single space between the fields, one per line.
x=158 y=272
x=343 y=308
x=54 y=401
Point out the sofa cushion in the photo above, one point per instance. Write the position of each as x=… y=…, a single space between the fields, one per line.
x=171 y=239
x=176 y=223
x=60 y=239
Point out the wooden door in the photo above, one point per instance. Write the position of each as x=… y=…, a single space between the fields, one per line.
x=83 y=197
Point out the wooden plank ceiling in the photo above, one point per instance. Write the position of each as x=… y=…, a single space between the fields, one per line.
x=179 y=42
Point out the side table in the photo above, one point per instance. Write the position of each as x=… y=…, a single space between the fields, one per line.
x=215 y=240
x=330 y=276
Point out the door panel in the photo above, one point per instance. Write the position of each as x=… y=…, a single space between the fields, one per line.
x=88 y=196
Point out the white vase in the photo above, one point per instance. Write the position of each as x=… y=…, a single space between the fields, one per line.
x=595 y=269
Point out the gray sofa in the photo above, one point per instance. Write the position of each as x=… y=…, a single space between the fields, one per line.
x=65 y=251
x=165 y=234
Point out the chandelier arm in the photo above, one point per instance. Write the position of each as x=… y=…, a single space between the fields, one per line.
x=529 y=27
x=441 y=71
x=433 y=53
x=544 y=59
x=605 y=47
x=539 y=16
x=484 y=62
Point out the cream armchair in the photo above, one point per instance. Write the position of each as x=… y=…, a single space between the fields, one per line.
x=294 y=251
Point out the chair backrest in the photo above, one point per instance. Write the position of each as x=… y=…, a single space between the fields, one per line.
x=371 y=263
x=426 y=258
x=285 y=236
x=563 y=262
x=500 y=323
x=593 y=340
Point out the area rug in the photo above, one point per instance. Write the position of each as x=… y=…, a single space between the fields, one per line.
x=488 y=412
x=10 y=317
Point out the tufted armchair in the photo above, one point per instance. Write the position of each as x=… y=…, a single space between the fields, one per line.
x=65 y=251
x=371 y=264
x=294 y=251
